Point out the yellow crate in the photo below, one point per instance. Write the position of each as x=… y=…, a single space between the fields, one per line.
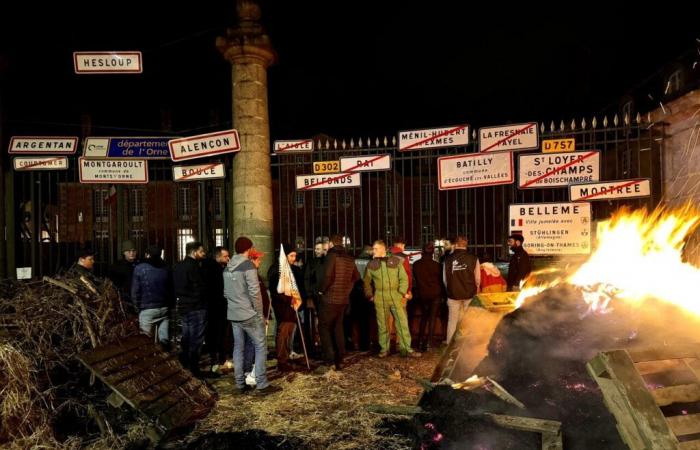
x=496 y=301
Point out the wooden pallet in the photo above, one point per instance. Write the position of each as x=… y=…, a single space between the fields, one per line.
x=654 y=395
x=150 y=380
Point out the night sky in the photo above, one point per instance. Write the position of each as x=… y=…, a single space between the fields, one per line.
x=347 y=69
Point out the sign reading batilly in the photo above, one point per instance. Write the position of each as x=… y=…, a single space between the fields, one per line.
x=43 y=145
x=474 y=170
x=116 y=171
x=553 y=228
x=204 y=145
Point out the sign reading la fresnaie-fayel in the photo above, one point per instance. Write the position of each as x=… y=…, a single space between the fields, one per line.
x=48 y=145
x=204 y=145
x=433 y=138
x=474 y=170
x=127 y=147
x=107 y=62
x=522 y=136
x=113 y=171
x=553 y=228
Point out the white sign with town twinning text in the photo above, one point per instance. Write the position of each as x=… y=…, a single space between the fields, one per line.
x=474 y=170
x=522 y=136
x=553 y=228
x=21 y=163
x=37 y=145
x=331 y=181
x=113 y=170
x=610 y=190
x=107 y=62
x=433 y=138
x=199 y=172
x=365 y=163
x=204 y=145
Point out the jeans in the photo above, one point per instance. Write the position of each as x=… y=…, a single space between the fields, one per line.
x=193 y=325
x=152 y=318
x=254 y=328
x=455 y=307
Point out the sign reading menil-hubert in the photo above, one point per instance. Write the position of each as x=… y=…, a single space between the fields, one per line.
x=43 y=145
x=117 y=171
x=475 y=169
x=107 y=62
x=553 y=228
x=199 y=172
x=333 y=181
x=433 y=138
x=204 y=145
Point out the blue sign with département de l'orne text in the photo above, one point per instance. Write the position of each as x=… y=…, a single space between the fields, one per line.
x=139 y=147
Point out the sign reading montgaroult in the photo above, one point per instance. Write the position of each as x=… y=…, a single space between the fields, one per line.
x=475 y=169
x=433 y=138
x=22 y=163
x=610 y=190
x=117 y=171
x=543 y=170
x=333 y=181
x=295 y=146
x=107 y=62
x=522 y=136
x=199 y=172
x=204 y=145
x=127 y=147
x=553 y=228
x=43 y=145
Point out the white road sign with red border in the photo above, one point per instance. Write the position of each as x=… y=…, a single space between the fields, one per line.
x=23 y=163
x=553 y=228
x=522 y=136
x=543 y=170
x=199 y=172
x=107 y=62
x=433 y=138
x=365 y=163
x=113 y=170
x=474 y=170
x=204 y=145
x=331 y=181
x=294 y=146
x=37 y=145
x=610 y=190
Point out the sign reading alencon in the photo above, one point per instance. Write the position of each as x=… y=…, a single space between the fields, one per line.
x=21 y=163
x=204 y=145
x=522 y=136
x=365 y=163
x=558 y=169
x=127 y=147
x=107 y=62
x=333 y=181
x=117 y=171
x=610 y=190
x=553 y=228
x=475 y=169
x=43 y=144
x=199 y=172
x=433 y=138
x=294 y=146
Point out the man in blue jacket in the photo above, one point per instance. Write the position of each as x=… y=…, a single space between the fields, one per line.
x=245 y=311
x=151 y=293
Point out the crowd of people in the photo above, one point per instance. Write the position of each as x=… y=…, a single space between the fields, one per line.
x=320 y=306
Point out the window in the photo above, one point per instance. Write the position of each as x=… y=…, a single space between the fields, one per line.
x=218 y=203
x=427 y=192
x=101 y=234
x=101 y=206
x=136 y=198
x=136 y=235
x=184 y=236
x=219 y=237
x=299 y=199
x=346 y=198
x=673 y=83
x=321 y=198
x=184 y=203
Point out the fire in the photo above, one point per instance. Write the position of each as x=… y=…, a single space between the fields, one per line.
x=638 y=255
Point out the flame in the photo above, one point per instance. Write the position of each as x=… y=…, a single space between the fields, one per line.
x=638 y=255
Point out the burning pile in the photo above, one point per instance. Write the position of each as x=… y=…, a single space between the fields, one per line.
x=635 y=291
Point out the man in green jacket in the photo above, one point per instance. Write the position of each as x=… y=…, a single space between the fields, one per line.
x=386 y=284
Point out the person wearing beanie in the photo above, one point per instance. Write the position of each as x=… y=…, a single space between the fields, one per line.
x=152 y=295
x=519 y=267
x=430 y=294
x=122 y=271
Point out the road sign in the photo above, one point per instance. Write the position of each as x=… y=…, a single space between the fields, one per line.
x=553 y=228
x=326 y=166
x=127 y=147
x=294 y=146
x=333 y=181
x=36 y=145
x=475 y=169
x=204 y=145
x=199 y=172
x=365 y=163
x=433 y=138
x=610 y=190
x=544 y=170
x=22 y=163
x=522 y=136
x=107 y=62
x=558 y=145
x=113 y=171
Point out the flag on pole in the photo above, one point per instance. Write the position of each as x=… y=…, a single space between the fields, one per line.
x=287 y=284
x=111 y=195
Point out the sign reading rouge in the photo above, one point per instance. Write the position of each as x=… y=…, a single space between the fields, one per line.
x=199 y=172
x=113 y=170
x=107 y=62
x=204 y=145
x=553 y=228
x=22 y=163
x=474 y=170
x=37 y=145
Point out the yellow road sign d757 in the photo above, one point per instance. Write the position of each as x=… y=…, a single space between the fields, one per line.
x=558 y=145
x=326 y=166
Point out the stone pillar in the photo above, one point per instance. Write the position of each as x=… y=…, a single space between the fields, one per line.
x=250 y=53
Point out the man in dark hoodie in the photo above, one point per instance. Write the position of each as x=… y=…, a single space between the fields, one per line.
x=213 y=271
x=429 y=292
x=122 y=272
x=151 y=293
x=519 y=267
x=462 y=276
x=191 y=305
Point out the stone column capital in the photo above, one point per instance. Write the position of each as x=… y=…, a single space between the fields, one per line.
x=242 y=51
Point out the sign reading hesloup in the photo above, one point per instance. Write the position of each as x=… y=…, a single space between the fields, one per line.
x=333 y=181
x=21 y=163
x=107 y=62
x=433 y=138
x=204 y=145
x=475 y=169
x=199 y=172
x=43 y=145
x=127 y=147
x=553 y=228
x=127 y=171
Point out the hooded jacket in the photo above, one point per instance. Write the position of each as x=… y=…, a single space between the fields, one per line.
x=242 y=290
x=150 y=287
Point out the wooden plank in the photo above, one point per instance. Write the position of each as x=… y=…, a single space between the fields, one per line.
x=525 y=423
x=117 y=363
x=693 y=365
x=649 y=367
x=397 y=410
x=154 y=393
x=686 y=424
x=552 y=441
x=133 y=386
x=194 y=390
x=689 y=445
x=684 y=393
x=183 y=413
x=665 y=352
x=140 y=367
x=113 y=349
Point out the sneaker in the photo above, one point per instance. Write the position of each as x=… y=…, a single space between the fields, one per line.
x=383 y=354
x=295 y=355
x=414 y=354
x=270 y=389
x=215 y=368
x=250 y=378
x=242 y=390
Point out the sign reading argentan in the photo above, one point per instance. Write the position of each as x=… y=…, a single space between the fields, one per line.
x=558 y=169
x=127 y=147
x=199 y=172
x=365 y=163
x=107 y=62
x=117 y=171
x=610 y=190
x=553 y=228
x=43 y=145
x=204 y=145
x=333 y=181
x=522 y=136
x=433 y=138
x=473 y=170
x=297 y=146
x=21 y=163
